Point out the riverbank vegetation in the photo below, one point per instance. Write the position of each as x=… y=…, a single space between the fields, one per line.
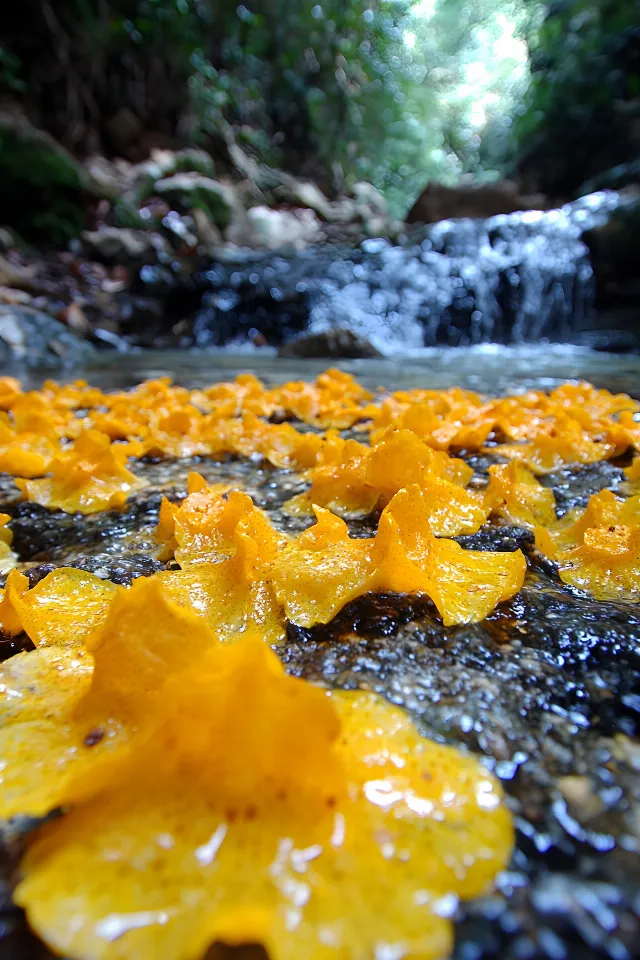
x=393 y=92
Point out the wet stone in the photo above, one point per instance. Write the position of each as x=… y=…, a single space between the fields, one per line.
x=494 y=538
x=120 y=570
x=545 y=690
x=573 y=486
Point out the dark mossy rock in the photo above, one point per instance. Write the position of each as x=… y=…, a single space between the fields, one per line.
x=615 y=254
x=43 y=190
x=192 y=190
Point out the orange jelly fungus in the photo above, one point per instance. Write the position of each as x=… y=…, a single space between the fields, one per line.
x=7 y=556
x=63 y=608
x=66 y=709
x=633 y=472
x=281 y=444
x=322 y=569
x=314 y=574
x=555 y=443
x=17 y=584
x=10 y=390
x=335 y=399
x=226 y=547
x=603 y=510
x=24 y=454
x=574 y=423
x=231 y=596
x=234 y=592
x=443 y=419
x=514 y=494
x=177 y=434
x=89 y=477
x=366 y=478
x=258 y=808
x=598 y=549
x=206 y=524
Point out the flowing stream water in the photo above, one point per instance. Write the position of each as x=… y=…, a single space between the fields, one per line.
x=514 y=278
x=493 y=369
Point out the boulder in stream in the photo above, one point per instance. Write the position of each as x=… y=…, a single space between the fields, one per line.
x=478 y=201
x=33 y=339
x=333 y=343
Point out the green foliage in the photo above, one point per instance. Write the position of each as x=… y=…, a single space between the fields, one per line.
x=584 y=94
x=10 y=71
x=391 y=91
x=381 y=90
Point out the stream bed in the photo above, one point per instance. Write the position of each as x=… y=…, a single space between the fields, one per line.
x=545 y=690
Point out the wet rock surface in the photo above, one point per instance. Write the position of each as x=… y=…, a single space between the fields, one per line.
x=545 y=690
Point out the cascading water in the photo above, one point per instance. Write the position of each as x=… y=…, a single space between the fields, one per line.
x=510 y=279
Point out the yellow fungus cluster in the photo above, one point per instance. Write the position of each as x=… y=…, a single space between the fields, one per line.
x=74 y=447
x=572 y=424
x=575 y=423
x=8 y=558
x=64 y=607
x=514 y=494
x=632 y=472
x=358 y=479
x=314 y=574
x=598 y=549
x=208 y=796
x=90 y=477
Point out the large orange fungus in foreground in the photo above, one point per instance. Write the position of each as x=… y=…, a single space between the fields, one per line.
x=258 y=808
x=69 y=705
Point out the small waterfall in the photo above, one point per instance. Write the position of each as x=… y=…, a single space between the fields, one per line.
x=515 y=278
